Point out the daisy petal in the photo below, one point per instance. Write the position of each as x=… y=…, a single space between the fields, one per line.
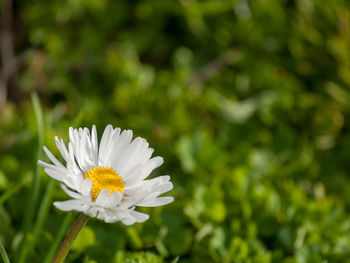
x=104 y=141
x=113 y=199
x=69 y=205
x=157 y=202
x=62 y=148
x=102 y=198
x=70 y=192
x=55 y=174
x=164 y=188
x=146 y=170
x=85 y=187
x=52 y=158
x=94 y=141
x=138 y=216
x=128 y=221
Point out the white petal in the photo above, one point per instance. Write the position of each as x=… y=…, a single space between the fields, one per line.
x=128 y=221
x=104 y=141
x=70 y=205
x=138 y=216
x=109 y=219
x=150 y=184
x=85 y=187
x=131 y=174
x=151 y=165
x=102 y=198
x=112 y=215
x=119 y=146
x=107 y=200
x=83 y=150
x=113 y=199
x=72 y=135
x=62 y=148
x=69 y=192
x=109 y=138
x=105 y=136
x=48 y=165
x=157 y=191
x=94 y=140
x=157 y=202
x=69 y=181
x=146 y=170
x=132 y=155
x=52 y=157
x=71 y=164
x=128 y=201
x=166 y=187
x=92 y=211
x=55 y=174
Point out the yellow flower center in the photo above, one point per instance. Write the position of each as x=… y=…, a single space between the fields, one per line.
x=104 y=178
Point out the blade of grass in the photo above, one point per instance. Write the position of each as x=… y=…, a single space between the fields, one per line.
x=3 y=253
x=28 y=220
x=13 y=189
x=78 y=119
x=42 y=214
x=59 y=237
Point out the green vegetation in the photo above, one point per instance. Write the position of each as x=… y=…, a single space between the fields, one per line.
x=247 y=101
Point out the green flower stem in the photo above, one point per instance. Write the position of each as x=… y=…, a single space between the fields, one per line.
x=72 y=235
x=3 y=253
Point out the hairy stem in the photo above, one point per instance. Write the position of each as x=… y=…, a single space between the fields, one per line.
x=72 y=235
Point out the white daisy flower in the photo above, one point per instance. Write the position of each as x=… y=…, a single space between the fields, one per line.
x=108 y=181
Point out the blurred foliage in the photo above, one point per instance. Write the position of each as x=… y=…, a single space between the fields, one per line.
x=247 y=101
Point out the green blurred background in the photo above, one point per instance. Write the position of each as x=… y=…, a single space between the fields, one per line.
x=247 y=101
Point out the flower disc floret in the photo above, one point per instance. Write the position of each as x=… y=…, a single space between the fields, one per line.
x=104 y=178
